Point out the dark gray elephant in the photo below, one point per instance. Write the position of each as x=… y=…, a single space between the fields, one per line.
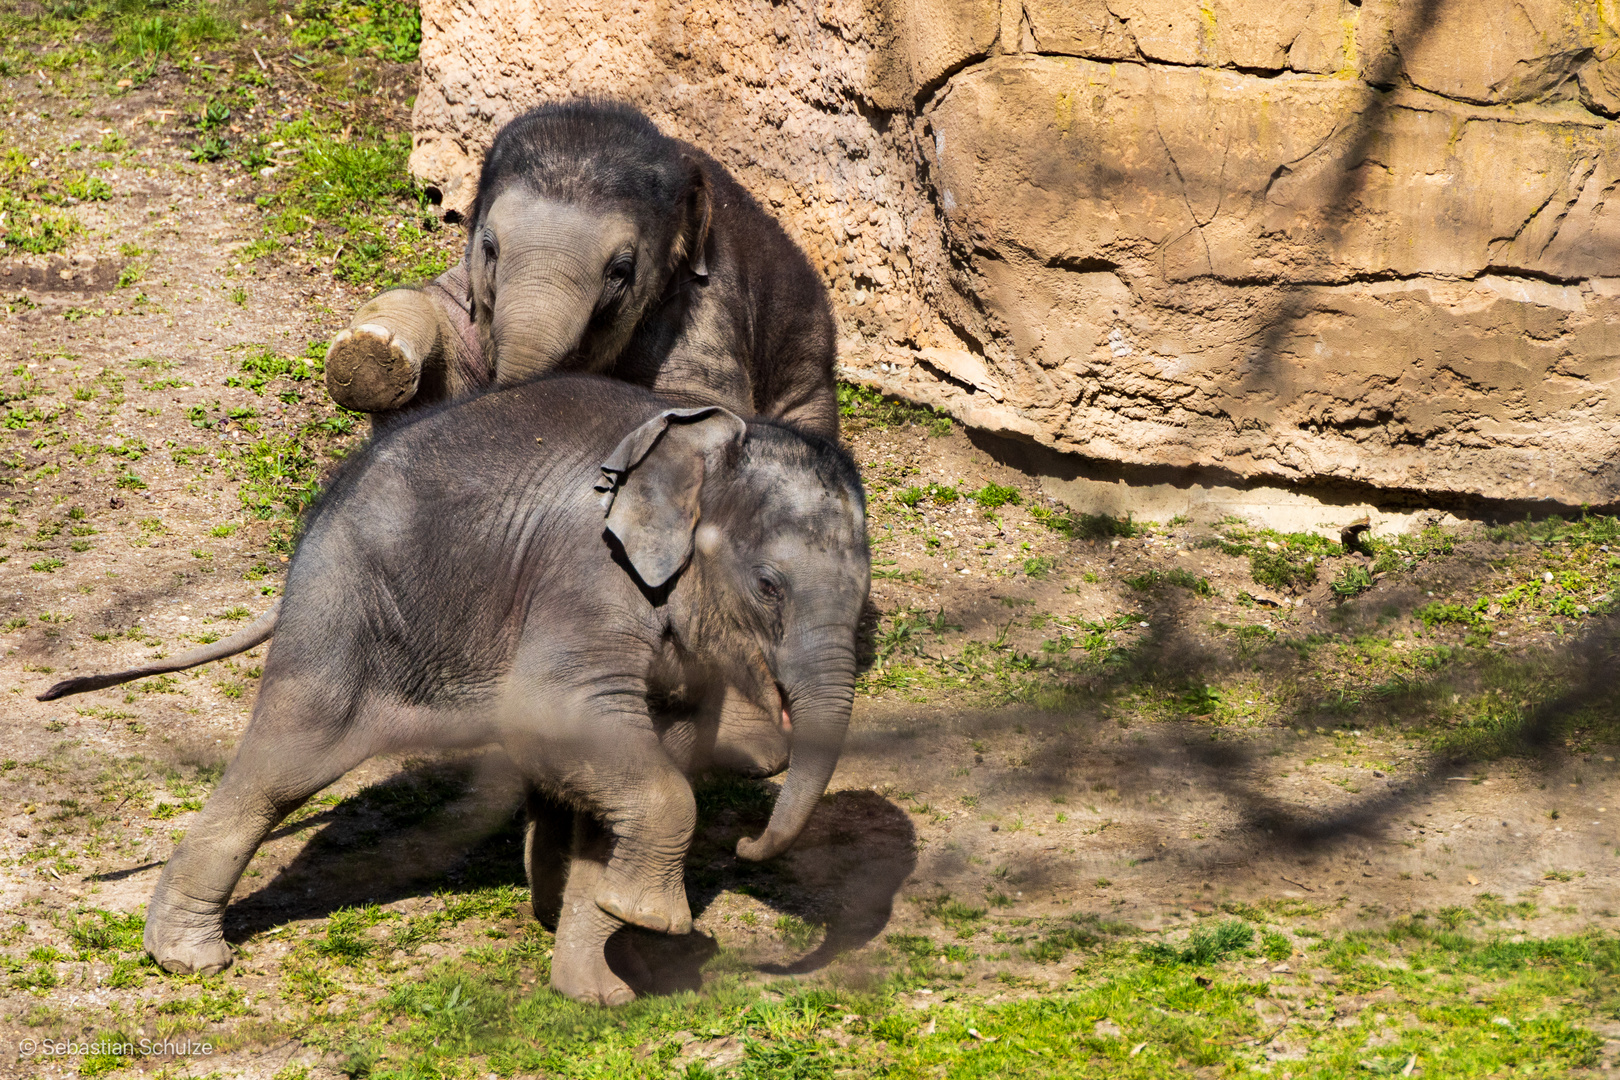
x=597 y=244
x=534 y=567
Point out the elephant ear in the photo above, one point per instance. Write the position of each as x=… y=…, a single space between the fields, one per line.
x=699 y=212
x=652 y=483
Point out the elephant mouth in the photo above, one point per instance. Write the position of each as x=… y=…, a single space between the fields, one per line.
x=787 y=719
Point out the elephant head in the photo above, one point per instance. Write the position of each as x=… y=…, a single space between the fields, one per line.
x=758 y=533
x=585 y=215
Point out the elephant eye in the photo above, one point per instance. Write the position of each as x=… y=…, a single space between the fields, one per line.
x=490 y=252
x=620 y=271
x=769 y=589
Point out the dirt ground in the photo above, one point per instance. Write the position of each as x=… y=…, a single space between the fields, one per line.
x=1087 y=803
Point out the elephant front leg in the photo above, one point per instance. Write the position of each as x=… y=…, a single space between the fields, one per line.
x=597 y=747
x=652 y=815
x=579 y=959
x=400 y=348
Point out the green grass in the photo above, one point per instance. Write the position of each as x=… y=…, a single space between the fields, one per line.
x=261 y=365
x=1179 y=578
x=1074 y=526
x=347 y=197
x=1039 y=566
x=1122 y=1005
x=992 y=496
x=279 y=474
x=1433 y=669
x=1352 y=581
x=861 y=407
x=936 y=494
x=96 y=932
x=1561 y=572
x=30 y=202
x=994 y=672
x=149 y=32
x=78 y=44
x=384 y=29
x=1205 y=945
x=1284 y=561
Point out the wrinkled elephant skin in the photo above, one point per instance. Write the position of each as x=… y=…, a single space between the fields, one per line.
x=531 y=568
x=597 y=244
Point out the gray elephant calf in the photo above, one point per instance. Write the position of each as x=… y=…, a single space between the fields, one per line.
x=598 y=244
x=459 y=585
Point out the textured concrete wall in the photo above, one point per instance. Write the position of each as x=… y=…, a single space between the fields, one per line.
x=1289 y=241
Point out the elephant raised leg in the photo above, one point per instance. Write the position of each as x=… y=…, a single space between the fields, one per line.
x=608 y=760
x=406 y=346
x=562 y=881
x=283 y=760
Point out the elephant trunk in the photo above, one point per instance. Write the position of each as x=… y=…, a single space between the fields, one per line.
x=818 y=704
x=540 y=319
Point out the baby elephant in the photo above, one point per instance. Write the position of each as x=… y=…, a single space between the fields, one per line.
x=596 y=243
x=532 y=568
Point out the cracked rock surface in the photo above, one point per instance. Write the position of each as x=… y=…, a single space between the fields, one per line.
x=1362 y=245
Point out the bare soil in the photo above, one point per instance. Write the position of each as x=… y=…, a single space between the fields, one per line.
x=1027 y=813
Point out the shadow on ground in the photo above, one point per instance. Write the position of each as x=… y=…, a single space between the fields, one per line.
x=458 y=823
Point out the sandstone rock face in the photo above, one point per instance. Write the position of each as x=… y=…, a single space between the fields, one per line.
x=1366 y=246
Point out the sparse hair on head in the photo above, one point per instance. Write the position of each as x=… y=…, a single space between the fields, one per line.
x=583 y=151
x=827 y=458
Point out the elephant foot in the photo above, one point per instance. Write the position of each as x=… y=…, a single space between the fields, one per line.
x=186 y=953
x=593 y=959
x=584 y=976
x=661 y=909
x=369 y=368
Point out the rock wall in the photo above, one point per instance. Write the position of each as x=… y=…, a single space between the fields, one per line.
x=1353 y=244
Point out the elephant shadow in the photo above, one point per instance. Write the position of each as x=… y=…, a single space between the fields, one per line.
x=842 y=874
x=459 y=821
x=454 y=820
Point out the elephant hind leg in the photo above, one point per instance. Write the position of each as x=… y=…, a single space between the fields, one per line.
x=546 y=844
x=285 y=757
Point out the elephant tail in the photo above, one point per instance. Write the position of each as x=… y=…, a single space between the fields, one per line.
x=244 y=639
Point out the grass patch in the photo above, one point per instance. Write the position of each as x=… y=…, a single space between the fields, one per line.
x=95 y=932
x=384 y=29
x=937 y=494
x=1085 y=526
x=347 y=197
x=1352 y=581
x=279 y=475
x=1182 y=579
x=1282 y=561
x=1205 y=945
x=261 y=364
x=862 y=407
x=31 y=217
x=1460 y=1005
